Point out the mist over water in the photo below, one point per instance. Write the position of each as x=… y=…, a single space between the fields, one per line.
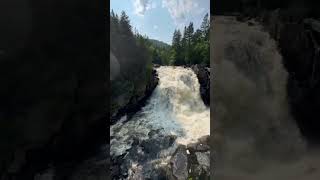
x=254 y=134
x=175 y=109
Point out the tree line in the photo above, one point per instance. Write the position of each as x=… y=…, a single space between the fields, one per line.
x=190 y=47
x=130 y=48
x=134 y=50
x=132 y=53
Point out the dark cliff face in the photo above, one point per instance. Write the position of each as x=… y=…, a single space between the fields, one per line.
x=203 y=75
x=134 y=102
x=53 y=69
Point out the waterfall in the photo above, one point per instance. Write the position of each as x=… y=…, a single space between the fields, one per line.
x=174 y=112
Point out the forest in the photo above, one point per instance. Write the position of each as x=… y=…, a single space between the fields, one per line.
x=188 y=47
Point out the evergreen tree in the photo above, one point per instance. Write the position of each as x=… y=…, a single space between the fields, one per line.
x=190 y=31
x=184 y=48
x=124 y=24
x=197 y=37
x=177 y=55
x=205 y=26
x=189 y=48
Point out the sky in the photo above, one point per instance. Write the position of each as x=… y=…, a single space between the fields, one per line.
x=159 y=18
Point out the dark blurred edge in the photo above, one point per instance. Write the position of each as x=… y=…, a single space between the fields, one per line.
x=54 y=73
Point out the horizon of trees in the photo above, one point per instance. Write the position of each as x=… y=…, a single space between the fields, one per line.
x=190 y=47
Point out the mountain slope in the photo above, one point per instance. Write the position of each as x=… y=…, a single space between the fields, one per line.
x=159 y=44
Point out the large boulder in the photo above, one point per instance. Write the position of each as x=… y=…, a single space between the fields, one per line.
x=191 y=161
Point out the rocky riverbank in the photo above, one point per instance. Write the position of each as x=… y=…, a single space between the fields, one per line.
x=187 y=161
x=135 y=102
x=191 y=161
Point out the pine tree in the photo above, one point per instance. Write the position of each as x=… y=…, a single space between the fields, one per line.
x=184 y=44
x=205 y=26
x=190 y=31
x=189 y=47
x=197 y=37
x=124 y=24
x=177 y=54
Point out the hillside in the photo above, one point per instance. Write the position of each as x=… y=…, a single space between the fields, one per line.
x=159 y=44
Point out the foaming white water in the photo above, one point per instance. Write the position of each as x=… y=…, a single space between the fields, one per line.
x=181 y=87
x=175 y=108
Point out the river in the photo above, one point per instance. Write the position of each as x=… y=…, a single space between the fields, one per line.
x=175 y=114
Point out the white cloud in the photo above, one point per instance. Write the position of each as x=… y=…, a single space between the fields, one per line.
x=155 y=27
x=178 y=8
x=182 y=10
x=141 y=6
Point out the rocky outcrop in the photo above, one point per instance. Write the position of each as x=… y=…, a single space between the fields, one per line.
x=191 y=161
x=203 y=74
x=53 y=93
x=142 y=152
x=134 y=102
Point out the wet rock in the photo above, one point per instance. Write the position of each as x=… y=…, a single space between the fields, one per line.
x=204 y=139
x=153 y=133
x=199 y=159
x=192 y=161
x=179 y=163
x=203 y=159
x=201 y=145
x=203 y=75
x=154 y=145
x=194 y=147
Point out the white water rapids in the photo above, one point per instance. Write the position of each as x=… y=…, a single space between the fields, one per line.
x=174 y=108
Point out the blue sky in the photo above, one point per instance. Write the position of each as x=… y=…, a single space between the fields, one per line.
x=159 y=18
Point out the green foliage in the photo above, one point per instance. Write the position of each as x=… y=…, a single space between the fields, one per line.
x=159 y=51
x=135 y=59
x=194 y=45
x=189 y=47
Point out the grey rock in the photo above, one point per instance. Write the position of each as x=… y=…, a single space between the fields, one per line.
x=180 y=164
x=203 y=158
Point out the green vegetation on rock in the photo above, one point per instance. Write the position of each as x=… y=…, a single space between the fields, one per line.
x=132 y=53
